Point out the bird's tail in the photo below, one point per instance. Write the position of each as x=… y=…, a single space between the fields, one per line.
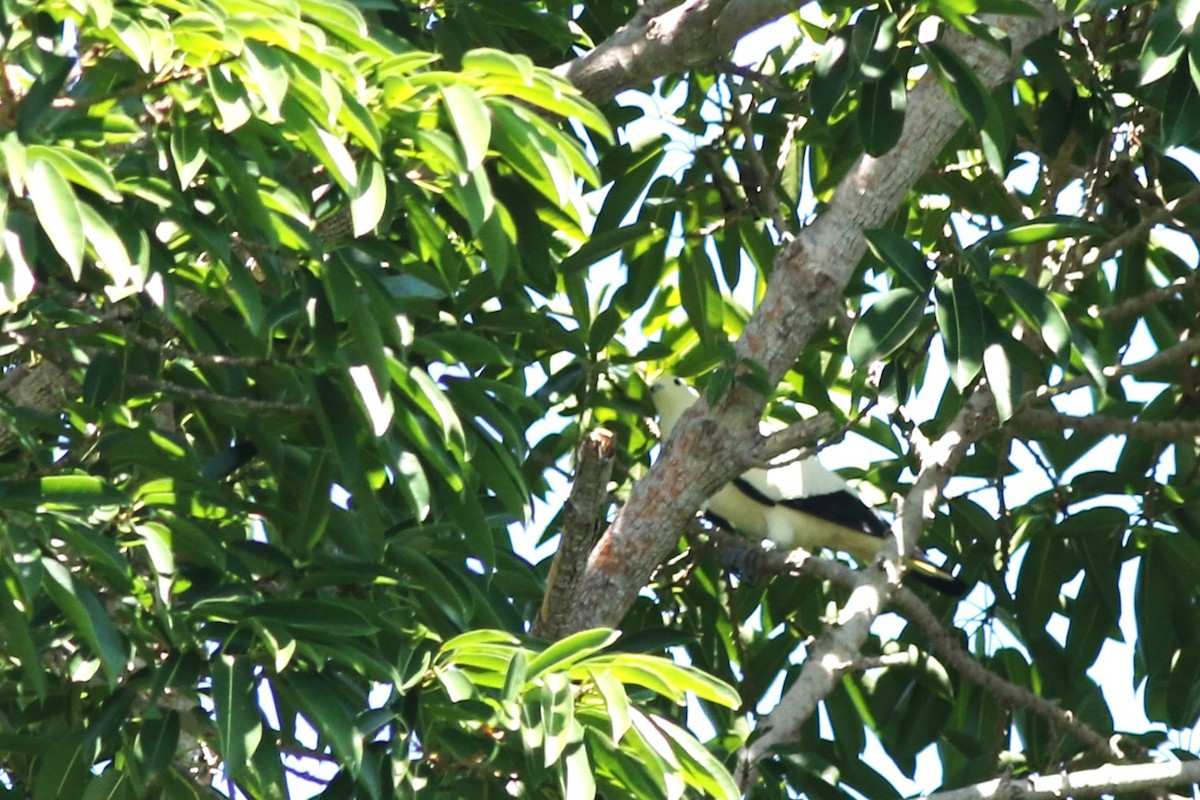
x=935 y=577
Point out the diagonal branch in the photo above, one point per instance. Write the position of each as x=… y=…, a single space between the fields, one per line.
x=808 y=281
x=583 y=522
x=666 y=38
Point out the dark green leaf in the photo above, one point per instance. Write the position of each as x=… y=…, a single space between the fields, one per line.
x=1042 y=229
x=881 y=112
x=238 y=720
x=961 y=321
x=886 y=326
x=902 y=256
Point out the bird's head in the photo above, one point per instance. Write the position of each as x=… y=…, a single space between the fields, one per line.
x=672 y=396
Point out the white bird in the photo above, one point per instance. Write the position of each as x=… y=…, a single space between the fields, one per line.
x=796 y=504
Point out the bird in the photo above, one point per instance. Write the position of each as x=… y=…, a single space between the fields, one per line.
x=798 y=503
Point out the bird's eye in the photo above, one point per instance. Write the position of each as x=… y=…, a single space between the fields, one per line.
x=679 y=381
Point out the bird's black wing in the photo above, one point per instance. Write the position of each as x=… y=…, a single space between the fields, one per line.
x=841 y=508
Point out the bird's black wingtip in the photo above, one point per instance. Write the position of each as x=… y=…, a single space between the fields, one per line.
x=939 y=581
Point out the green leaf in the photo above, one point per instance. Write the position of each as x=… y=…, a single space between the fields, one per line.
x=80 y=169
x=616 y=701
x=559 y=728
x=82 y=608
x=1042 y=229
x=873 y=43
x=830 y=75
x=663 y=676
x=67 y=491
x=329 y=618
x=57 y=210
x=111 y=255
x=565 y=652
x=62 y=771
x=1181 y=115
x=238 y=720
x=701 y=768
x=698 y=290
x=960 y=319
x=188 y=151
x=578 y=779
x=885 y=326
x=230 y=96
x=156 y=742
x=1163 y=45
x=961 y=83
x=1003 y=379
x=19 y=636
x=881 y=112
x=1037 y=309
x=470 y=119
x=904 y=257
x=267 y=73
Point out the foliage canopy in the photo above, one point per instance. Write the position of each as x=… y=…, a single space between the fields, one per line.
x=306 y=303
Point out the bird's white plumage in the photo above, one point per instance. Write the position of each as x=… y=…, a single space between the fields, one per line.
x=791 y=480
x=796 y=502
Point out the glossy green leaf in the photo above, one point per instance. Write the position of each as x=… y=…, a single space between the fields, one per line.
x=701 y=768
x=238 y=720
x=187 y=152
x=80 y=168
x=57 y=210
x=1163 y=45
x=1041 y=312
x=960 y=319
x=82 y=608
x=1003 y=379
x=578 y=778
x=886 y=326
x=898 y=253
x=1042 y=229
x=470 y=119
x=268 y=75
x=961 y=82
x=111 y=255
x=20 y=639
x=881 y=111
x=156 y=743
x=567 y=651
x=831 y=75
x=559 y=728
x=326 y=617
x=230 y=97
x=63 y=771
x=873 y=43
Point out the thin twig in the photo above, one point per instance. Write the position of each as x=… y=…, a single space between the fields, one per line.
x=205 y=396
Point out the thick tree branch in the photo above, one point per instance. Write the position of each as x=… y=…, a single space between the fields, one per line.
x=807 y=283
x=584 y=518
x=664 y=38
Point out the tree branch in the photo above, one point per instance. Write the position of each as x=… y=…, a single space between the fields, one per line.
x=1165 y=430
x=839 y=646
x=708 y=447
x=584 y=519
x=664 y=38
x=1124 y=779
